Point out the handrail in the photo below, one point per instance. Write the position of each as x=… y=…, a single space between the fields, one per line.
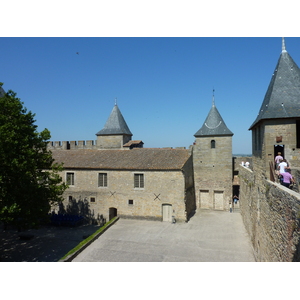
x=272 y=171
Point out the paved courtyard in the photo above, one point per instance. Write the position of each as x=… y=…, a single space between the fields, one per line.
x=210 y=236
x=48 y=244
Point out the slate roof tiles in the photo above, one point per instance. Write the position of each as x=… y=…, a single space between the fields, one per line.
x=115 y=124
x=214 y=125
x=283 y=95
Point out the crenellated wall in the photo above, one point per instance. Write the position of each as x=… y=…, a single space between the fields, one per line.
x=72 y=145
x=271 y=214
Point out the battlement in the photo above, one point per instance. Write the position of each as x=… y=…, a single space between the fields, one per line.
x=72 y=145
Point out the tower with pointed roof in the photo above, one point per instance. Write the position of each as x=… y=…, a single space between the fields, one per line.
x=277 y=126
x=212 y=159
x=115 y=133
x=2 y=92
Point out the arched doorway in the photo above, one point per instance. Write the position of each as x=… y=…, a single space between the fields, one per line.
x=112 y=212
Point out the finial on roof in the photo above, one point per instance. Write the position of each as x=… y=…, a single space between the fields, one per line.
x=283 y=45
x=213 y=98
x=116 y=101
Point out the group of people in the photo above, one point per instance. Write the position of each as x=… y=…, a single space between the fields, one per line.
x=283 y=171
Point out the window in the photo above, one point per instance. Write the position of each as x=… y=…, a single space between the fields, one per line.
x=139 y=180
x=102 y=179
x=70 y=179
x=130 y=202
x=93 y=199
x=213 y=144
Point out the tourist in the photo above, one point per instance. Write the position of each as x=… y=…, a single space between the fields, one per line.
x=282 y=166
x=278 y=158
x=235 y=199
x=287 y=178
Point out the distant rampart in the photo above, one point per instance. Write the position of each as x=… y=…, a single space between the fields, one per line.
x=72 y=145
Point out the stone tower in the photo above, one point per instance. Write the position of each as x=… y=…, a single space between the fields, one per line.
x=277 y=126
x=212 y=159
x=115 y=132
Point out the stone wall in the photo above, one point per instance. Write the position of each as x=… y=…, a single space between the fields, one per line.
x=112 y=141
x=271 y=216
x=160 y=187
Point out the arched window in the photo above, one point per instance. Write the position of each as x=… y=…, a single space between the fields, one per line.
x=213 y=144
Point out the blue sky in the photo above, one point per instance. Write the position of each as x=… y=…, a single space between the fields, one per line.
x=163 y=85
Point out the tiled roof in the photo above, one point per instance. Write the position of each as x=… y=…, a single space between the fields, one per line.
x=136 y=159
x=115 y=124
x=283 y=95
x=130 y=143
x=214 y=125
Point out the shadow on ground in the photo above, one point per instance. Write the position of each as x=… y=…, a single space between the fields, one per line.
x=47 y=244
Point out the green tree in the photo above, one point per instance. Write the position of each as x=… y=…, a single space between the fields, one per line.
x=29 y=179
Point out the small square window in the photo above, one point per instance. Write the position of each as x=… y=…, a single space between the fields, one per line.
x=93 y=199
x=130 y=202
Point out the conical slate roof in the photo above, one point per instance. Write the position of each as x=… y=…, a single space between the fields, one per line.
x=214 y=125
x=282 y=99
x=2 y=92
x=115 y=124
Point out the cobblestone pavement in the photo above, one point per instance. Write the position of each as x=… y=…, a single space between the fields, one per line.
x=210 y=236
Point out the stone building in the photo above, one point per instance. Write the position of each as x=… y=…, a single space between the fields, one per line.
x=152 y=183
x=139 y=183
x=212 y=160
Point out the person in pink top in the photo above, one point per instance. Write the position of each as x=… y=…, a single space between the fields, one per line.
x=287 y=179
x=278 y=158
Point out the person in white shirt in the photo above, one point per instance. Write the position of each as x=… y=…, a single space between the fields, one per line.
x=282 y=166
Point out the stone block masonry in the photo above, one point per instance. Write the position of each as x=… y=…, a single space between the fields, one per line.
x=271 y=215
x=160 y=187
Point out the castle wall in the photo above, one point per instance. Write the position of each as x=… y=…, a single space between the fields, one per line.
x=72 y=145
x=271 y=216
x=161 y=187
x=103 y=142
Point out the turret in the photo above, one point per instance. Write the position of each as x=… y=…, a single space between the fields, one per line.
x=212 y=157
x=115 y=132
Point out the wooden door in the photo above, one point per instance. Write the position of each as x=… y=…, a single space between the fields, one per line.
x=167 y=212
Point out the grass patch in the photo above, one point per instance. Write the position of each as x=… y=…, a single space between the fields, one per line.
x=88 y=239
